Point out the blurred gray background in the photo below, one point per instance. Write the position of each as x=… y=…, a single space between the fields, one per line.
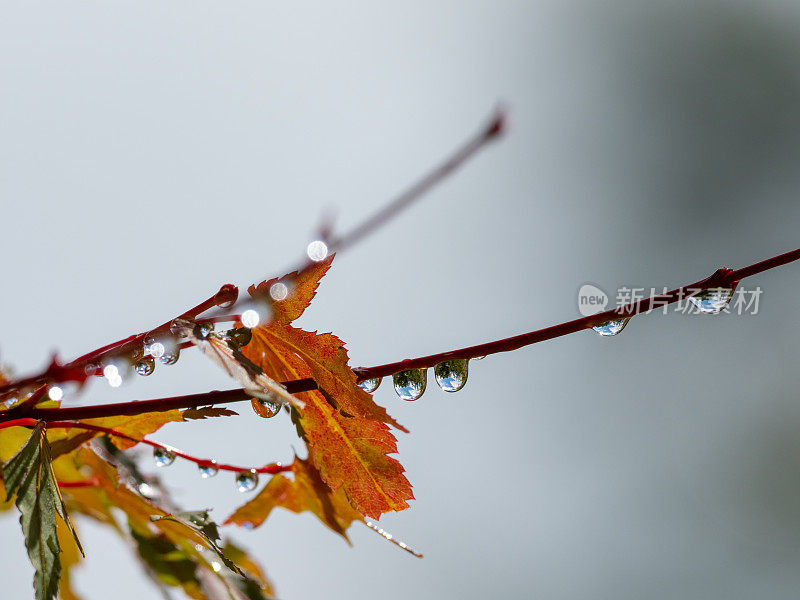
x=152 y=151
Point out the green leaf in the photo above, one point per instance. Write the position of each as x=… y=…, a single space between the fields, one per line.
x=29 y=475
x=201 y=523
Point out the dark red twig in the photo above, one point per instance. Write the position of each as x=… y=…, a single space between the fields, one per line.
x=76 y=370
x=227 y=295
x=720 y=278
x=139 y=407
x=491 y=131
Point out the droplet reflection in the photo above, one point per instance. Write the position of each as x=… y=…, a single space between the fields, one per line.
x=610 y=328
x=270 y=406
x=370 y=385
x=207 y=471
x=247 y=482
x=410 y=384
x=145 y=366
x=712 y=300
x=163 y=457
x=451 y=375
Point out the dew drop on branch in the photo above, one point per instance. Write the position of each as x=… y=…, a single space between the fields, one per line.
x=451 y=375
x=207 y=471
x=145 y=366
x=247 y=482
x=712 y=300
x=170 y=356
x=157 y=349
x=270 y=406
x=163 y=457
x=55 y=393
x=203 y=330
x=370 y=385
x=410 y=384
x=612 y=327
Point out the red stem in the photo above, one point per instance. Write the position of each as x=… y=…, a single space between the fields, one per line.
x=491 y=131
x=720 y=278
x=75 y=370
x=139 y=407
x=227 y=295
x=204 y=462
x=79 y=484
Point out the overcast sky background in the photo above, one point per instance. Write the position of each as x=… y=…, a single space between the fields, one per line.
x=150 y=152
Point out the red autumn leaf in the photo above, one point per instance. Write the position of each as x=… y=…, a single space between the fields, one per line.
x=302 y=289
x=348 y=435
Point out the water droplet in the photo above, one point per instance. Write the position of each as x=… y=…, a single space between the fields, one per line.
x=370 y=385
x=162 y=457
x=317 y=250
x=239 y=337
x=170 y=356
x=250 y=318
x=217 y=566
x=145 y=366
x=203 y=330
x=247 y=482
x=712 y=300
x=55 y=393
x=278 y=291
x=147 y=490
x=410 y=384
x=612 y=327
x=137 y=352
x=270 y=406
x=451 y=375
x=207 y=471
x=157 y=349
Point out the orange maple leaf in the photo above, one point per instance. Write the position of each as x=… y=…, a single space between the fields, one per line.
x=347 y=433
x=307 y=492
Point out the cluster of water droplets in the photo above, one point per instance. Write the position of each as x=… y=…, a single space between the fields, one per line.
x=164 y=348
x=245 y=481
x=450 y=375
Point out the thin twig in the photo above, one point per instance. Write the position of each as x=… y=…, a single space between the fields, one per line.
x=203 y=462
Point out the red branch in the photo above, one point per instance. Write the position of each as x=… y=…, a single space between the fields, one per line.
x=79 y=484
x=226 y=297
x=76 y=370
x=721 y=278
x=203 y=462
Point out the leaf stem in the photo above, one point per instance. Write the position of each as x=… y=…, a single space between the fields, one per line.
x=203 y=462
